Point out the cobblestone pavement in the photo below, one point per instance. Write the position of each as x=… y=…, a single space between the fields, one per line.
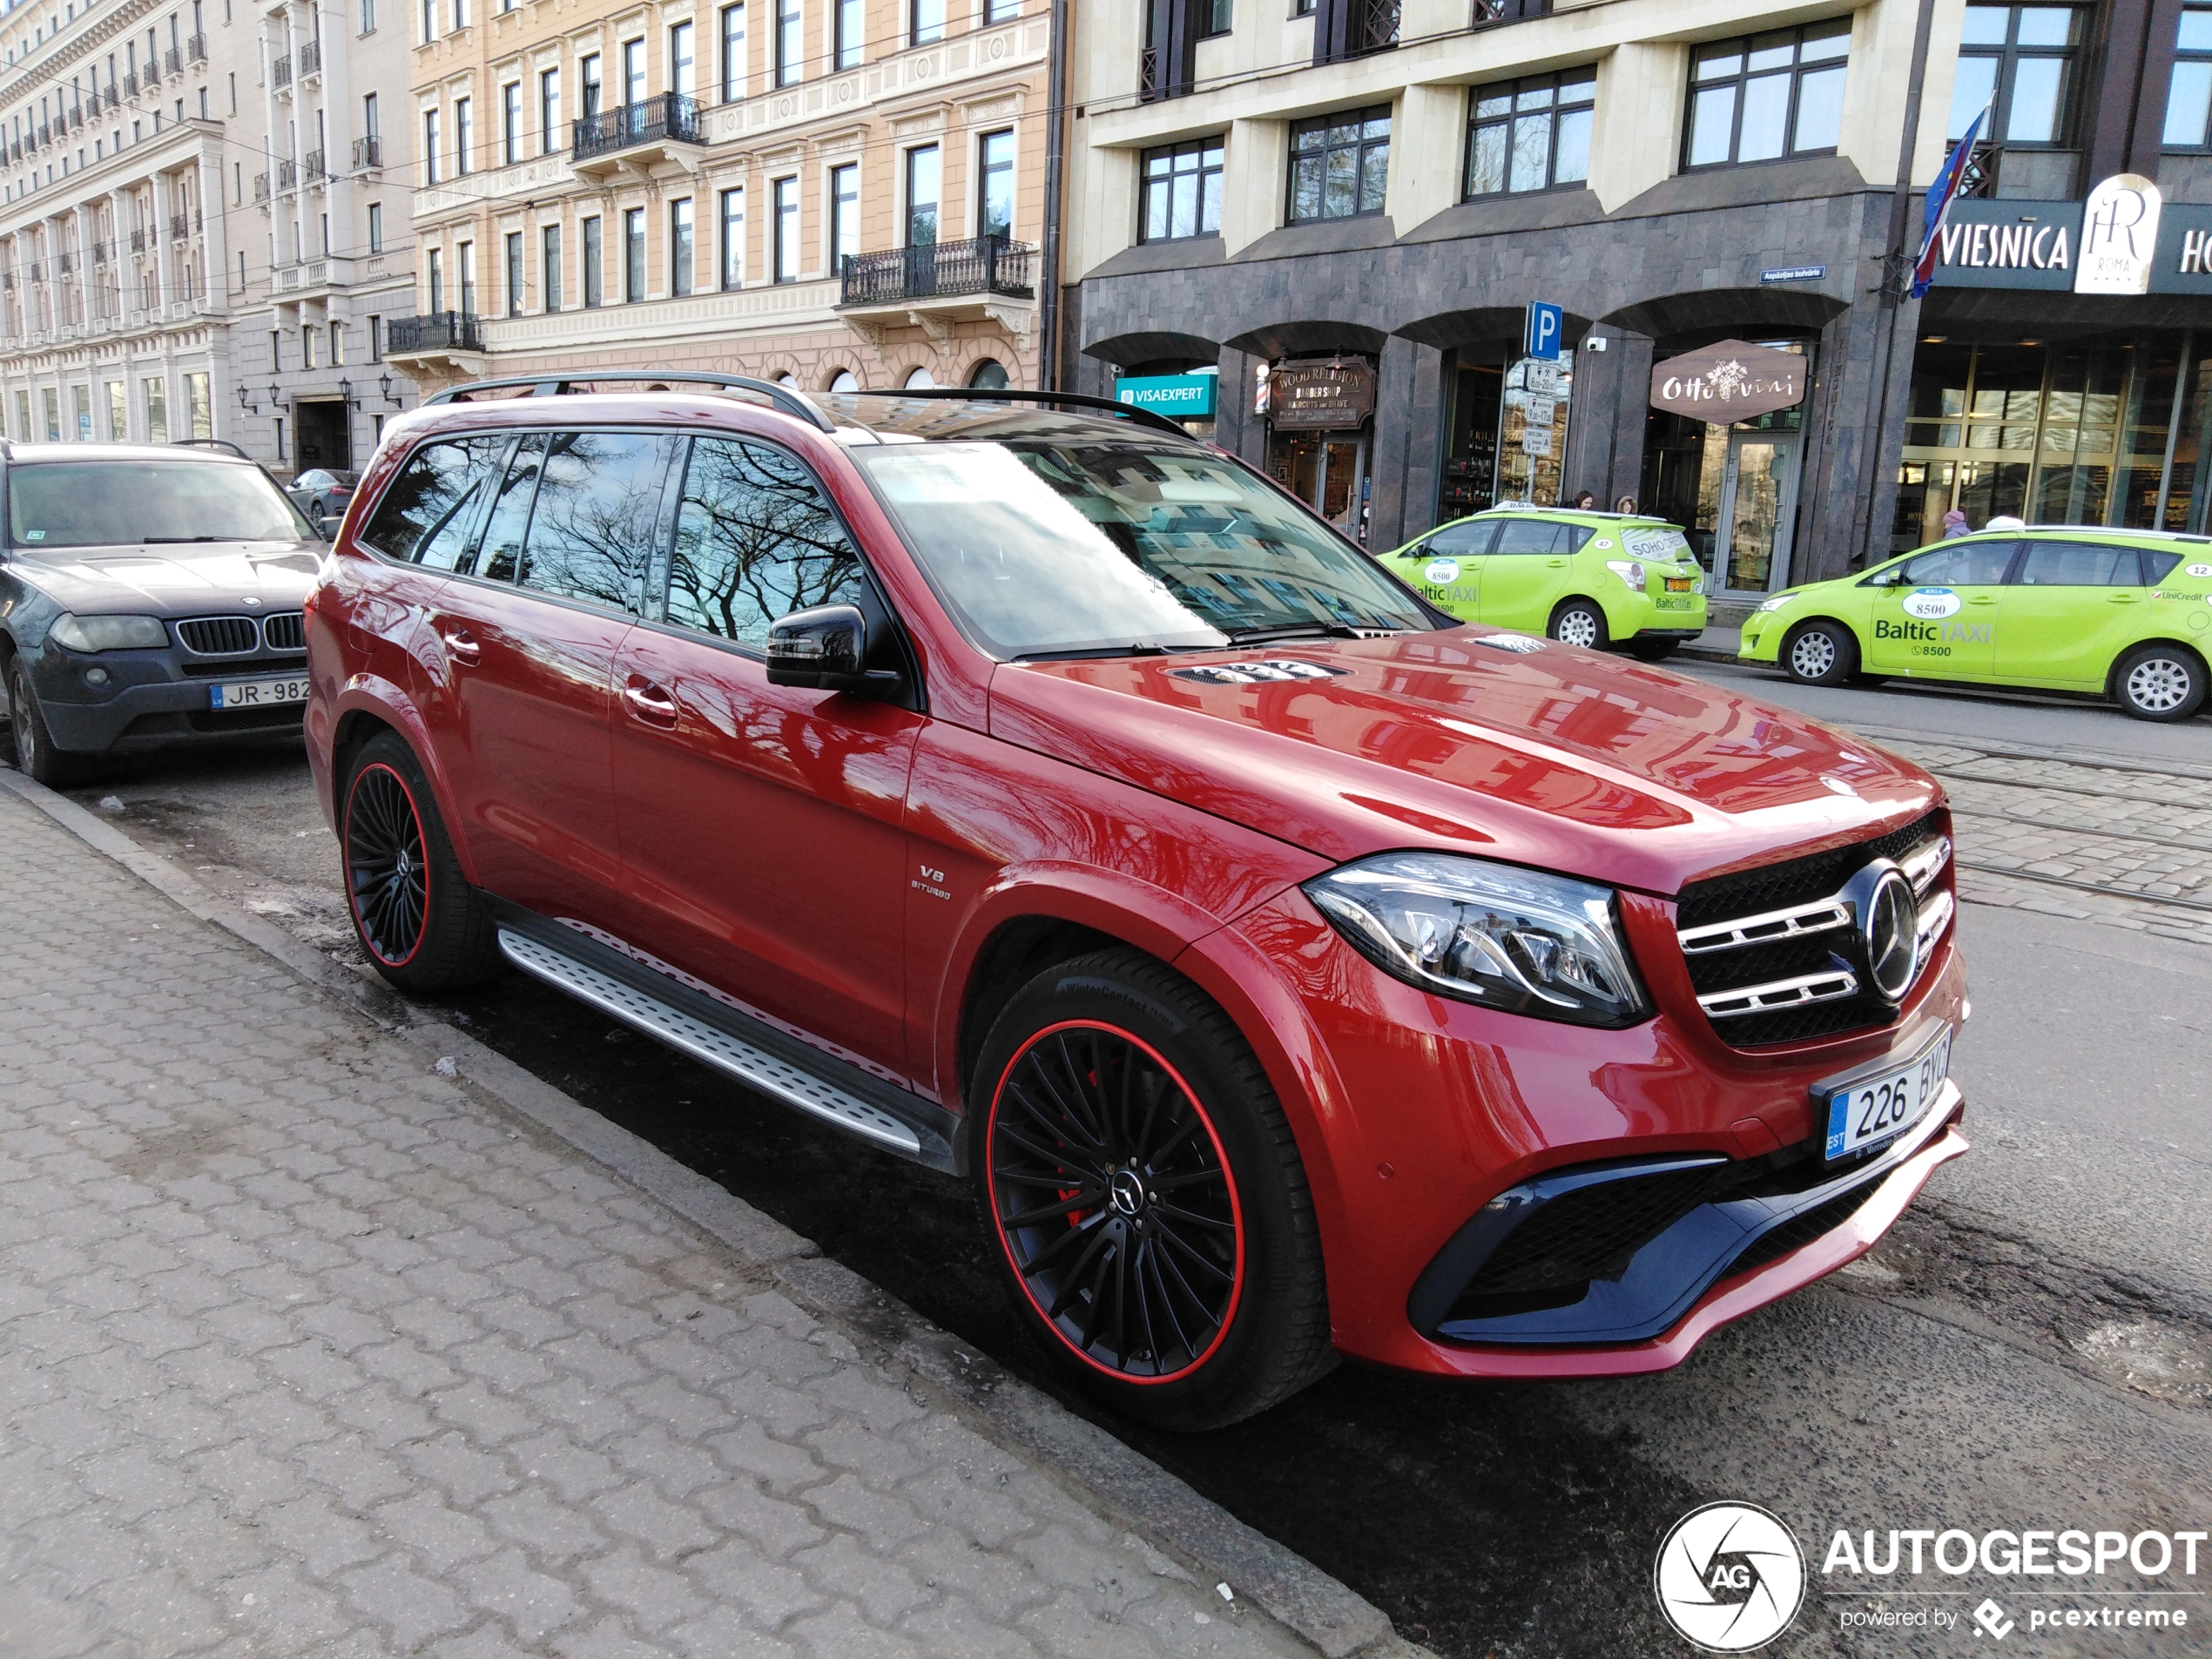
x=2121 y=844
x=306 y=1348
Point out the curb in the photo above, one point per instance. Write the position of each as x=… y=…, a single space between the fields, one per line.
x=1085 y=1459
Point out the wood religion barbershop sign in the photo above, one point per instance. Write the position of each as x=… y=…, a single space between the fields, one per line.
x=1733 y=380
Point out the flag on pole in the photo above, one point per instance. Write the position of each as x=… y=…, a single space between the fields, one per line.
x=1941 y=194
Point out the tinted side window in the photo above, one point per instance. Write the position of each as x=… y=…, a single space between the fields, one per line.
x=1459 y=540
x=427 y=512
x=1529 y=535
x=2078 y=564
x=591 y=528
x=756 y=539
x=1966 y=564
x=501 y=553
x=2158 y=566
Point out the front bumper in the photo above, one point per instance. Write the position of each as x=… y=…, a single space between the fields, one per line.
x=1760 y=637
x=151 y=702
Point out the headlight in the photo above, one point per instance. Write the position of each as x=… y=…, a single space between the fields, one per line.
x=1629 y=570
x=1492 y=933
x=1777 y=602
x=109 y=633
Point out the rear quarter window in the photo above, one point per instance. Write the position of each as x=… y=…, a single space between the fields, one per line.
x=426 y=514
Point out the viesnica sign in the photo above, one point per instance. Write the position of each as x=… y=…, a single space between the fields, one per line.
x=1180 y=397
x=2124 y=240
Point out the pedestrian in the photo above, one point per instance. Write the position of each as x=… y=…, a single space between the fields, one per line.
x=1586 y=502
x=1954 y=525
x=1626 y=504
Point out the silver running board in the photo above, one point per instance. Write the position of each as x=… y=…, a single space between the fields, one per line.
x=763 y=1070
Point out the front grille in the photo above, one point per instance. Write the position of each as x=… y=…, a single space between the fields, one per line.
x=1823 y=1218
x=229 y=669
x=1830 y=1000
x=284 y=631
x=220 y=636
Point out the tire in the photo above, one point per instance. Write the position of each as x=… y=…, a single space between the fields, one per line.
x=1820 y=653
x=2159 y=681
x=36 y=756
x=1653 y=650
x=1186 y=1306
x=1580 y=621
x=424 y=928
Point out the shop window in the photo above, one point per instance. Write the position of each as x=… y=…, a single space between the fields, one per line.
x=1340 y=166
x=2021 y=58
x=1181 y=192
x=1769 y=97
x=2188 y=98
x=1531 y=134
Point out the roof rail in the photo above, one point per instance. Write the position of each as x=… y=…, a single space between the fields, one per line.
x=782 y=397
x=1144 y=417
x=210 y=443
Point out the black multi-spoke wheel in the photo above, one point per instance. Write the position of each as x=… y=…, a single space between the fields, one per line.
x=386 y=875
x=1146 y=1196
x=1114 y=1202
x=422 y=925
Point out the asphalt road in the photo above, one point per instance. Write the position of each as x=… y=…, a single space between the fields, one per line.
x=2031 y=1347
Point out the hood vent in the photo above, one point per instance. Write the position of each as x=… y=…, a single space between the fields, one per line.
x=1274 y=668
x=1520 y=645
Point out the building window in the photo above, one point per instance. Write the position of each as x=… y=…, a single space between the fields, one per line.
x=733 y=238
x=633 y=72
x=464 y=259
x=376 y=227
x=514 y=274
x=594 y=263
x=732 y=53
x=2021 y=58
x=429 y=147
x=464 y=134
x=847 y=22
x=924 y=173
x=844 y=214
x=307 y=345
x=429 y=21
x=1211 y=17
x=510 y=123
x=679 y=246
x=791 y=42
x=549 y=112
x=994 y=186
x=1531 y=134
x=1181 y=192
x=548 y=265
x=786 y=230
x=682 y=71
x=633 y=255
x=1771 y=95
x=375 y=325
x=368 y=16
x=587 y=72
x=1340 y=165
x=2188 y=99
x=926 y=22
x=460 y=15
x=338 y=345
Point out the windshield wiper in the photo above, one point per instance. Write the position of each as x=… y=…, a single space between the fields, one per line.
x=1315 y=630
x=150 y=541
x=1138 y=648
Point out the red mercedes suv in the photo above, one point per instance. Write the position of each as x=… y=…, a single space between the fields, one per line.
x=1052 y=799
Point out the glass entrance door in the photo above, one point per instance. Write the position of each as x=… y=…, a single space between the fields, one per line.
x=1328 y=472
x=1758 y=507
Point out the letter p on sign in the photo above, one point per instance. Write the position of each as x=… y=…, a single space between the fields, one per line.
x=1546 y=324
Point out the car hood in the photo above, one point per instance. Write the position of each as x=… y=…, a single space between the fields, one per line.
x=182 y=580
x=1525 y=751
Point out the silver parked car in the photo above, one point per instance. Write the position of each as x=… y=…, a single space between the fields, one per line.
x=149 y=596
x=322 y=494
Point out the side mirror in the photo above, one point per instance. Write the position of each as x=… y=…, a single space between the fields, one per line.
x=823 y=649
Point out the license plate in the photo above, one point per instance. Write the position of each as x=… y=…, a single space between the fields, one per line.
x=1884 y=1105
x=258 y=694
x=1682 y=585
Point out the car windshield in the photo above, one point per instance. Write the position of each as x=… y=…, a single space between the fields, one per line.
x=105 y=504
x=1045 y=547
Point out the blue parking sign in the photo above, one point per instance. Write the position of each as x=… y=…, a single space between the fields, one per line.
x=1546 y=324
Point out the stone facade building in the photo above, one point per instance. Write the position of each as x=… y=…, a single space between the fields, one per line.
x=839 y=192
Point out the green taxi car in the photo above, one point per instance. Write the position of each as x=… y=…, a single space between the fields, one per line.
x=2115 y=613
x=1591 y=579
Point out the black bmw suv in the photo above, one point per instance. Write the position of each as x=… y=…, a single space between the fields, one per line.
x=149 y=596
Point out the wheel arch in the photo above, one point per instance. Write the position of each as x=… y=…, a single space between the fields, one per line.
x=2170 y=641
x=367 y=707
x=1791 y=630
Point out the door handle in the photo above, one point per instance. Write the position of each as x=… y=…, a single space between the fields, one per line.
x=650 y=703
x=462 y=646
x=2125 y=598
x=1981 y=600
x=1554 y=563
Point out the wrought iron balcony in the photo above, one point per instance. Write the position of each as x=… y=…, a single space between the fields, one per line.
x=281 y=71
x=179 y=227
x=670 y=117
x=1346 y=28
x=66 y=263
x=434 y=331
x=131 y=85
x=195 y=49
x=311 y=59
x=367 y=152
x=261 y=187
x=138 y=242
x=287 y=175
x=981 y=265
x=173 y=61
x=315 y=166
x=102 y=252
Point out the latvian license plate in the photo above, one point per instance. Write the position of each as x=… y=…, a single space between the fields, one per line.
x=258 y=694
x=1883 y=1106
x=1682 y=585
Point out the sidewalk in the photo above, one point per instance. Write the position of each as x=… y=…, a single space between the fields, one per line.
x=306 y=1347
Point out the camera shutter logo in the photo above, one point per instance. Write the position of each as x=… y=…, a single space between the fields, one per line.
x=1729 y=1577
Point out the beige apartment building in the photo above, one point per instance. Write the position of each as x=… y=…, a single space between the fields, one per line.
x=193 y=225
x=839 y=192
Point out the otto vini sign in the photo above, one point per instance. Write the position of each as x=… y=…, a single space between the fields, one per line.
x=1731 y=381
x=2126 y=238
